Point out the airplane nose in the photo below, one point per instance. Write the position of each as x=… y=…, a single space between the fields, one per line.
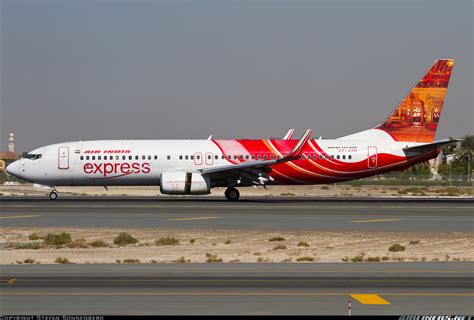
x=14 y=168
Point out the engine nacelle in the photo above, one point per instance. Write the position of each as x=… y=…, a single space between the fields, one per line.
x=180 y=182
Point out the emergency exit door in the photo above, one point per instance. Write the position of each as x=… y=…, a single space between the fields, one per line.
x=372 y=157
x=63 y=158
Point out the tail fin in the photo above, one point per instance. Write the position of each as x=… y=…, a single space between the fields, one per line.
x=416 y=118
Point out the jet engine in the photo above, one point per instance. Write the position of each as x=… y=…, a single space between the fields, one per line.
x=180 y=182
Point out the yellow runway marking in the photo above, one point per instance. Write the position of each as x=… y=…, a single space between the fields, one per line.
x=197 y=218
x=377 y=220
x=308 y=294
x=19 y=217
x=11 y=281
x=369 y=299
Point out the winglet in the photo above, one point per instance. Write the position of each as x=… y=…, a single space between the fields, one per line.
x=289 y=134
x=298 y=149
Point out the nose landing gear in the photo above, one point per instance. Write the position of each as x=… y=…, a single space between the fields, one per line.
x=232 y=194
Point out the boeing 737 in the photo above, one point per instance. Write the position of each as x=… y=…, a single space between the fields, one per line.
x=194 y=167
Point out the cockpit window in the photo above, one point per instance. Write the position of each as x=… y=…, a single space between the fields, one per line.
x=31 y=156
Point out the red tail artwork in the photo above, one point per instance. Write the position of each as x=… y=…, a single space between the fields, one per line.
x=416 y=117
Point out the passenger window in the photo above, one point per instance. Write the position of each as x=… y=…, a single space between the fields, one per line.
x=124 y=157
x=93 y=157
x=169 y=157
x=198 y=157
x=259 y=157
x=117 y=158
x=87 y=157
x=186 y=157
x=223 y=157
x=180 y=157
x=321 y=157
x=344 y=156
x=326 y=156
x=129 y=157
x=350 y=156
x=136 y=157
x=271 y=156
x=332 y=156
x=338 y=157
x=143 y=157
x=149 y=157
x=235 y=157
x=265 y=157
x=82 y=157
x=247 y=156
x=216 y=157
x=253 y=157
x=192 y=157
x=209 y=157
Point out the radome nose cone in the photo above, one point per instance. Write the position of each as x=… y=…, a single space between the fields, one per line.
x=14 y=168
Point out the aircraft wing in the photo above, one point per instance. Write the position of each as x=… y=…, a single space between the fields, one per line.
x=294 y=154
x=430 y=146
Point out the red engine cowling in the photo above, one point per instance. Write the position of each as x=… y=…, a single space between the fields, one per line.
x=180 y=182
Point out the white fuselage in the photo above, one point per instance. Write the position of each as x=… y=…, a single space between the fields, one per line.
x=141 y=162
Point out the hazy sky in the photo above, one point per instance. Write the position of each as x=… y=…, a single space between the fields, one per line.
x=79 y=70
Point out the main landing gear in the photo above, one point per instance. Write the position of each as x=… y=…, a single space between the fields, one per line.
x=53 y=195
x=232 y=194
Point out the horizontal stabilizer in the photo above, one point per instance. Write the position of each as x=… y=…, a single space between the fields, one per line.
x=430 y=146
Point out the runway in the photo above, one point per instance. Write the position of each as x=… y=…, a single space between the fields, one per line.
x=338 y=214
x=386 y=288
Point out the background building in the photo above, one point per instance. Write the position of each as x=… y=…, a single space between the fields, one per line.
x=7 y=157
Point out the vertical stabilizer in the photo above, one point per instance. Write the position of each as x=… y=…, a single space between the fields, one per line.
x=416 y=118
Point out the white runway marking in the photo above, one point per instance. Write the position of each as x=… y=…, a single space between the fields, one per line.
x=197 y=218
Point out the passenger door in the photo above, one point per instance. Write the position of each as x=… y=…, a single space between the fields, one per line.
x=63 y=158
x=372 y=157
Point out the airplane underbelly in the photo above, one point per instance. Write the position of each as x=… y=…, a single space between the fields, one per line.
x=117 y=180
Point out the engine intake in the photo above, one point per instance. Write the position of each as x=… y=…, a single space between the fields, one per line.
x=180 y=182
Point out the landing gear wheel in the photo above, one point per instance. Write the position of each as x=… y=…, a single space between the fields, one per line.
x=53 y=195
x=232 y=194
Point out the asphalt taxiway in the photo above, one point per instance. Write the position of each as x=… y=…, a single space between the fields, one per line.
x=384 y=288
x=409 y=215
x=231 y=288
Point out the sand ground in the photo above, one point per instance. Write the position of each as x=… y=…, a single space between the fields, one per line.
x=239 y=246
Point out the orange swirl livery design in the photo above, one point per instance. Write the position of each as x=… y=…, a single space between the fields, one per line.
x=416 y=117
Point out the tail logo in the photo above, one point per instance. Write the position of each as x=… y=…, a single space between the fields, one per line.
x=416 y=117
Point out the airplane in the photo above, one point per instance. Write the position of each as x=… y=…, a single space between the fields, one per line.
x=194 y=167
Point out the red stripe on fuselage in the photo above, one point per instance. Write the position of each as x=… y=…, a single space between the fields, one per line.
x=319 y=170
